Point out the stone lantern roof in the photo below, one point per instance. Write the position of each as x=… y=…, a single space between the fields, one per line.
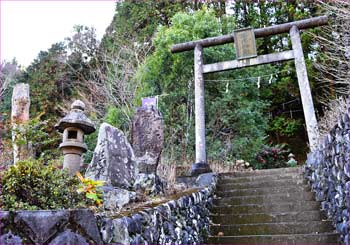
x=76 y=118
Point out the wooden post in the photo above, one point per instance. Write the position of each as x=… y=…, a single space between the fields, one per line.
x=200 y=166
x=304 y=87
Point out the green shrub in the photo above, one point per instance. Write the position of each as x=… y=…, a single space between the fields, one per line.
x=272 y=157
x=31 y=185
x=285 y=126
x=91 y=141
x=34 y=132
x=119 y=117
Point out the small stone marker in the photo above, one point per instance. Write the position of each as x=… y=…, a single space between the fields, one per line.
x=113 y=160
x=74 y=125
x=20 y=116
x=149 y=102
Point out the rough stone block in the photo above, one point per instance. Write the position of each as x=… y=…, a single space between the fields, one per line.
x=106 y=229
x=69 y=238
x=149 y=184
x=139 y=221
x=138 y=240
x=10 y=239
x=4 y=221
x=113 y=160
x=115 y=198
x=120 y=232
x=87 y=224
x=40 y=226
x=206 y=179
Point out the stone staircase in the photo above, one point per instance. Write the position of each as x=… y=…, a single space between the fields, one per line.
x=272 y=206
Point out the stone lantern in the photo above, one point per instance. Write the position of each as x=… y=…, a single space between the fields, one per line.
x=74 y=126
x=291 y=161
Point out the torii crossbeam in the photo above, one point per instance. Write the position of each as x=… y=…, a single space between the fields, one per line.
x=201 y=165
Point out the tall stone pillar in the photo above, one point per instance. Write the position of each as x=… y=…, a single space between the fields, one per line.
x=201 y=165
x=1 y=134
x=304 y=87
x=20 y=116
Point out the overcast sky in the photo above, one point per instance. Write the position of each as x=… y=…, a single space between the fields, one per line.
x=27 y=27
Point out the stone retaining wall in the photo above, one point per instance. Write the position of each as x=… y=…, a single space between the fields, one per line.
x=328 y=170
x=181 y=221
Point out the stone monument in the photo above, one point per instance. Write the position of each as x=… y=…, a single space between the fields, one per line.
x=74 y=125
x=147 y=139
x=113 y=161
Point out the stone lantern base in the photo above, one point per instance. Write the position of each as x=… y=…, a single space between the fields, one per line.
x=72 y=152
x=72 y=162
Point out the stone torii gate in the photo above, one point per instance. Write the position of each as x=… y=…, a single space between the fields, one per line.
x=244 y=40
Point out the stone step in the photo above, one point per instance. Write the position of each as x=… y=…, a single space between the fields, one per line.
x=267 y=208
x=272 y=228
x=260 y=184
x=274 y=171
x=322 y=238
x=229 y=179
x=263 y=191
x=300 y=216
x=259 y=199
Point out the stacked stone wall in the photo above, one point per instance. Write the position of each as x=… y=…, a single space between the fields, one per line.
x=181 y=221
x=328 y=170
x=184 y=220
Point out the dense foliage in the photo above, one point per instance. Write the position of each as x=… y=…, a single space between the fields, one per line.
x=285 y=126
x=31 y=185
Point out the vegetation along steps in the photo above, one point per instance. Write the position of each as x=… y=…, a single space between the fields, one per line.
x=274 y=206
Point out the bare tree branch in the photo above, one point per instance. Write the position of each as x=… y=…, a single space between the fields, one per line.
x=334 y=44
x=111 y=78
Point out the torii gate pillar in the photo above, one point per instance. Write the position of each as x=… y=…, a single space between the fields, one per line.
x=304 y=88
x=201 y=165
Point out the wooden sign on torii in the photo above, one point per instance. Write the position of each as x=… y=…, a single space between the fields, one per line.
x=246 y=58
